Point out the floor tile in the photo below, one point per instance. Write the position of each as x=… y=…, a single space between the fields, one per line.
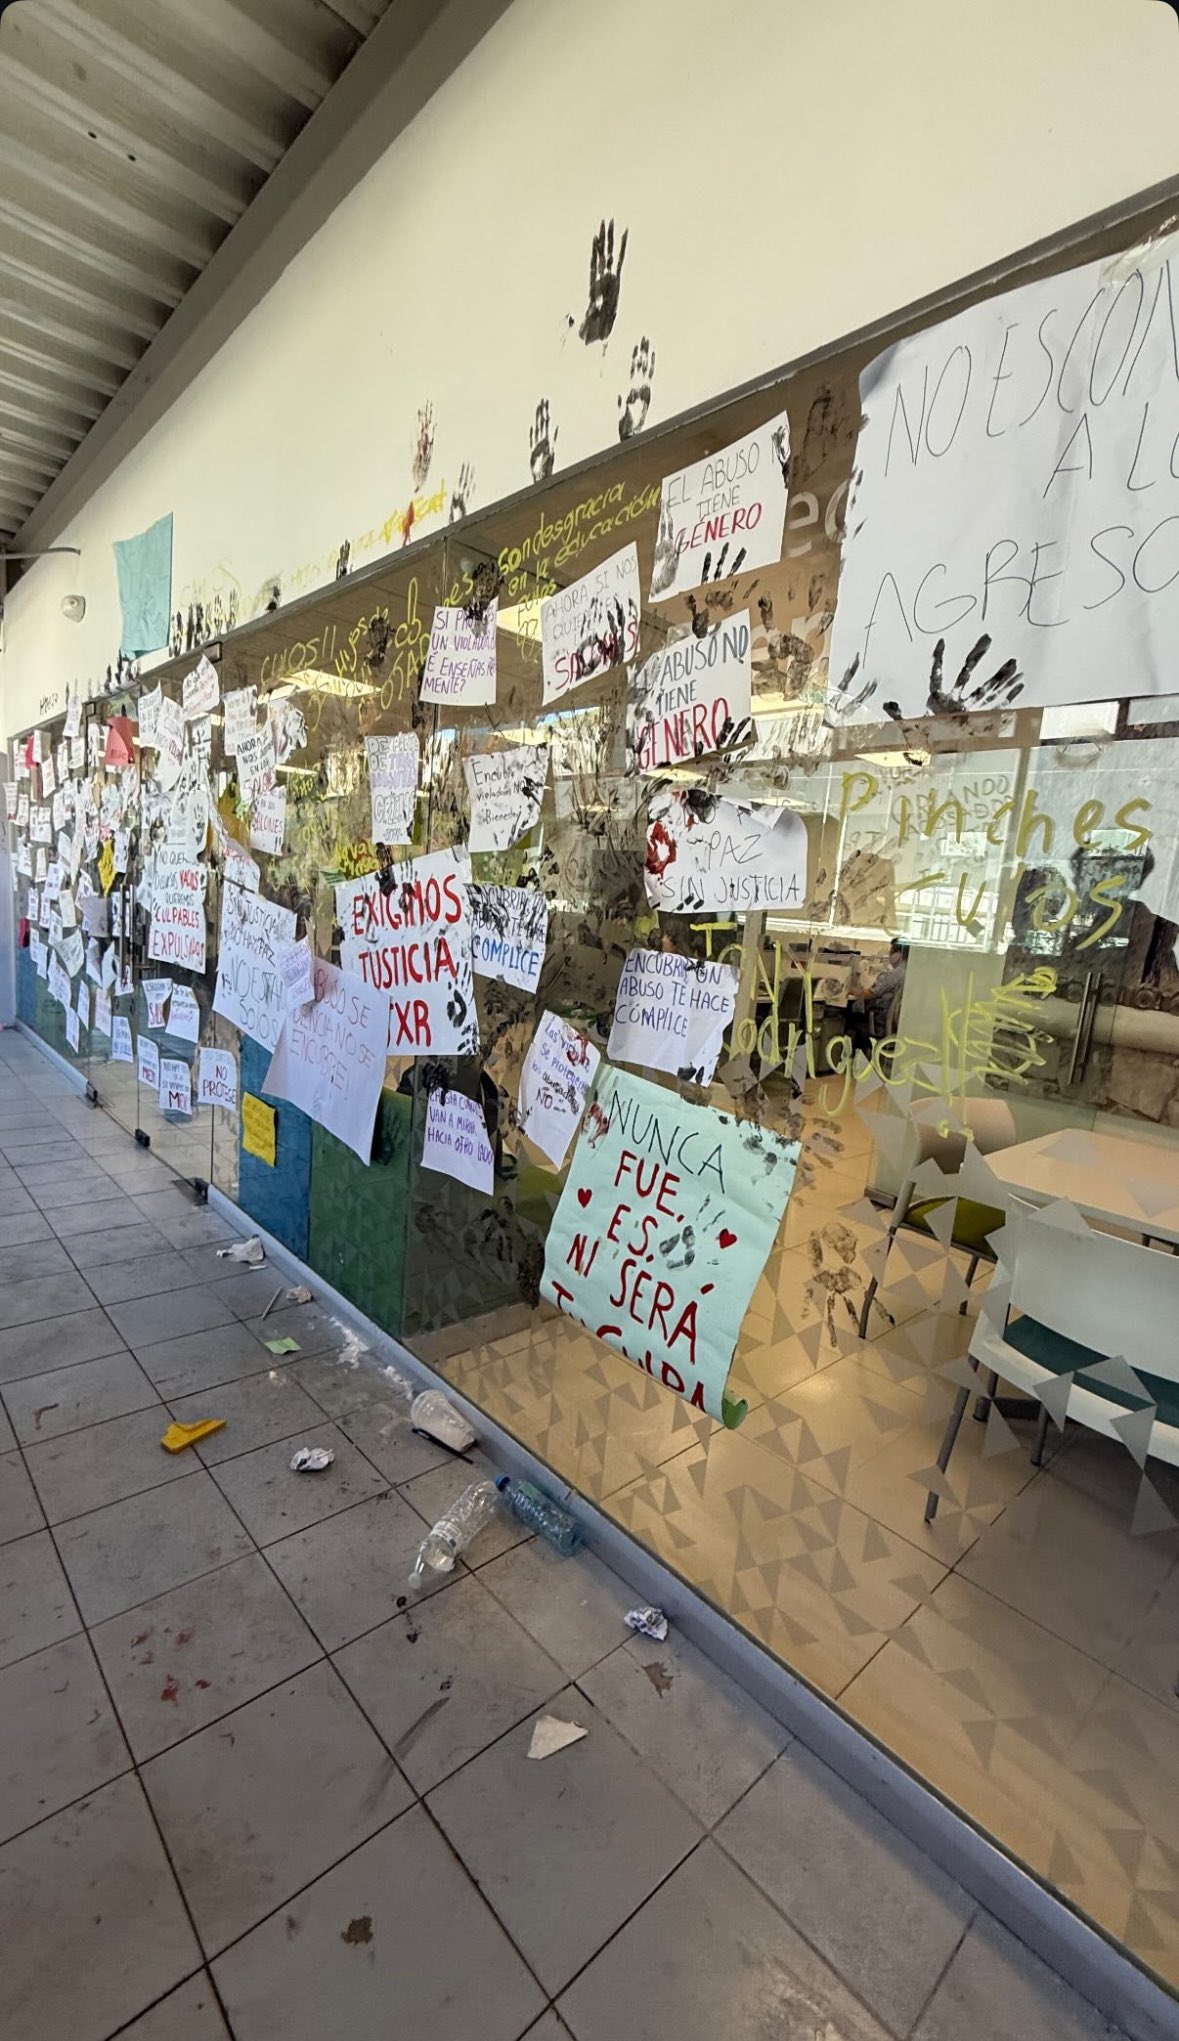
x=248 y=1291
x=35 y=1348
x=257 y=1410
x=577 y=1621
x=444 y=1680
x=996 y=1986
x=93 y=1881
x=366 y=1937
x=43 y=1297
x=182 y=1220
x=432 y=1493
x=106 y=1215
x=203 y=1360
x=548 y=2028
x=708 y=1956
x=60 y=1740
x=108 y=1246
x=116 y=1282
x=25 y=1148
x=7 y=1435
x=185 y=1658
x=566 y=1848
x=350 y=1572
x=84 y=1470
x=144 y=1321
x=62 y=1183
x=129 y=1551
x=254 y=1808
x=815 y=1847
x=36 y=1258
x=386 y=1437
x=190 y=2014
x=273 y=1501
x=67 y=1399
x=687 y=1719
x=15 y=1200
x=20 y=1511
x=20 y=1226
x=341 y=1380
x=36 y=1606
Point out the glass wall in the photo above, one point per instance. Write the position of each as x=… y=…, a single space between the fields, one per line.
x=984 y=941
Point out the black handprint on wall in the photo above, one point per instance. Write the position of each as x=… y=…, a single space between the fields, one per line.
x=343 y=559
x=461 y=494
x=605 y=282
x=633 y=408
x=542 y=443
x=423 y=452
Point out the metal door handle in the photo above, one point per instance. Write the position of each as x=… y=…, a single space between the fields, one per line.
x=1077 y=1038
x=1099 y=980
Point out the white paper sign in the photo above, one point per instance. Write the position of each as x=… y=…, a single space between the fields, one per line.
x=509 y=929
x=255 y=764
x=122 y=1050
x=148 y=1070
x=184 y=1015
x=83 y=1007
x=592 y=625
x=506 y=789
x=460 y=664
x=73 y=715
x=155 y=992
x=671 y=1013
x=149 y=710
x=725 y=514
x=73 y=1033
x=414 y=944
x=217 y=1078
x=691 y=697
x=169 y=742
x=723 y=856
x=268 y=821
x=558 y=1071
x=394 y=764
x=249 y=984
x=330 y=1059
x=1018 y=502
x=177 y=932
x=72 y=951
x=240 y=718
x=102 y=1013
x=200 y=690
x=456 y=1141
x=175 y=1093
x=294 y=962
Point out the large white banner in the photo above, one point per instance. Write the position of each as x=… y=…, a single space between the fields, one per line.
x=249 y=982
x=1014 y=535
x=330 y=1059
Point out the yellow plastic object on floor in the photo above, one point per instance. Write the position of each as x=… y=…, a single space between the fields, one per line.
x=178 y=1436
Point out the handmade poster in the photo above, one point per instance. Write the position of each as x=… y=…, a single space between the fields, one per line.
x=177 y=931
x=72 y=726
x=394 y=764
x=294 y=962
x=121 y=843
x=200 y=690
x=592 y=625
x=725 y=514
x=84 y=1008
x=665 y=1222
x=240 y=707
x=456 y=1142
x=48 y=776
x=175 y=1093
x=505 y=789
x=72 y=951
x=155 y=992
x=287 y=725
x=671 y=1013
x=12 y=798
x=184 y=1015
x=414 y=943
x=1014 y=532
x=102 y=1013
x=122 y=1049
x=144 y=568
x=705 y=854
x=72 y=1029
x=217 y=1078
x=691 y=697
x=255 y=765
x=509 y=929
x=148 y=708
x=249 y=985
x=240 y=867
x=558 y=1071
x=460 y=664
x=268 y=821
x=259 y=1129
x=148 y=1063
x=330 y=1059
x=169 y=742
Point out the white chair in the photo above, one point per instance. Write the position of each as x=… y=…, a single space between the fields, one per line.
x=991 y=1128
x=1084 y=1308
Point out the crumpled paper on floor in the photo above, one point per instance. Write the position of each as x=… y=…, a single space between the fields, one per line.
x=312 y=1459
x=250 y=1251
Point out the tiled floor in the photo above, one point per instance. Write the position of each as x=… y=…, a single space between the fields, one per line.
x=245 y=1788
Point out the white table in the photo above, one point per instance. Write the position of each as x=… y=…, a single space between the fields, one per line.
x=1120 y=1178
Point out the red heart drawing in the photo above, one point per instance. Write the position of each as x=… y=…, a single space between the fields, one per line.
x=583 y=1198
x=727 y=1239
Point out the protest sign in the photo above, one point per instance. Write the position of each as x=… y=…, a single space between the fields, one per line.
x=175 y=1093
x=592 y=625
x=505 y=789
x=725 y=514
x=169 y=741
x=724 y=856
x=414 y=943
x=460 y=664
x=200 y=690
x=148 y=709
x=394 y=764
x=148 y=1061
x=665 y=1222
x=691 y=697
x=294 y=962
x=155 y=992
x=217 y=1078
x=249 y=984
x=456 y=1140
x=122 y=1050
x=330 y=1059
x=184 y=1015
x=240 y=718
x=268 y=821
x=255 y=764
x=177 y=932
x=671 y=1013
x=554 y=1084
x=509 y=928
x=72 y=1029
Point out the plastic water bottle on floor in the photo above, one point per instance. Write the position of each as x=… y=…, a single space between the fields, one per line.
x=455 y=1530
x=540 y=1514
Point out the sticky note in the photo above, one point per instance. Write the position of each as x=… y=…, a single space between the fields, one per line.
x=259 y=1128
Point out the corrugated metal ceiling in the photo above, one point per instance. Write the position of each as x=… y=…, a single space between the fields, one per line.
x=133 y=135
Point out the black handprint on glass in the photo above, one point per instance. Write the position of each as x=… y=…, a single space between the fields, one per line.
x=542 y=443
x=667 y=553
x=605 y=282
x=1004 y=686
